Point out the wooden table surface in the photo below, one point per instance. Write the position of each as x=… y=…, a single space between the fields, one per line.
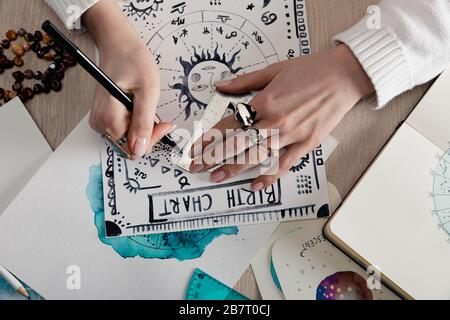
x=361 y=135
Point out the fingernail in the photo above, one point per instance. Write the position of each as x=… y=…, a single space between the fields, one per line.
x=257 y=186
x=218 y=176
x=198 y=151
x=223 y=83
x=172 y=129
x=196 y=168
x=140 y=146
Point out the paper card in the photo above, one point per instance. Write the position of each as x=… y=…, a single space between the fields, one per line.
x=150 y=195
x=24 y=150
x=262 y=264
x=310 y=268
x=65 y=208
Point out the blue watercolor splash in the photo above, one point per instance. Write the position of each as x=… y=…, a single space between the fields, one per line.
x=275 y=276
x=182 y=246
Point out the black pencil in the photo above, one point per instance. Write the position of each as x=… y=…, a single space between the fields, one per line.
x=94 y=71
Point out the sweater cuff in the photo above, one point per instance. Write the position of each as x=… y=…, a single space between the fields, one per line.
x=380 y=54
x=70 y=11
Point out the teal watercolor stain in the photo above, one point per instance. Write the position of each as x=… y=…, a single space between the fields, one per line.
x=182 y=246
x=275 y=276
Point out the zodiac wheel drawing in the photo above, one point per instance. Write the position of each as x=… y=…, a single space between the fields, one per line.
x=198 y=49
x=441 y=193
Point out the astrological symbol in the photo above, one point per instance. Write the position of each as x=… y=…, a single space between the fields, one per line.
x=158 y=59
x=223 y=18
x=258 y=37
x=179 y=8
x=246 y=44
x=183 y=182
x=206 y=31
x=184 y=33
x=138 y=173
x=291 y=54
x=231 y=35
x=268 y=18
x=219 y=30
x=266 y=3
x=175 y=40
x=178 y=21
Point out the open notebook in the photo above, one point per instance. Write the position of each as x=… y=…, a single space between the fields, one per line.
x=398 y=216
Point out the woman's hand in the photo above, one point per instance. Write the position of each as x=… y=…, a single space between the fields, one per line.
x=126 y=60
x=304 y=98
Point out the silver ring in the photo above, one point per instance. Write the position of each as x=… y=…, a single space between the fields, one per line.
x=258 y=139
x=116 y=145
x=245 y=114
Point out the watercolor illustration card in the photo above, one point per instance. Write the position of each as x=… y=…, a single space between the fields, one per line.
x=24 y=150
x=262 y=264
x=196 y=44
x=310 y=268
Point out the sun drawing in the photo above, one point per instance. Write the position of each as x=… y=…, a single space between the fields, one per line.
x=142 y=8
x=200 y=74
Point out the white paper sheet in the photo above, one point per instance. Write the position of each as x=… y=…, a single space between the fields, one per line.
x=23 y=148
x=57 y=204
x=310 y=268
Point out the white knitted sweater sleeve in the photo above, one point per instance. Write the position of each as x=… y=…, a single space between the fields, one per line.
x=401 y=44
x=70 y=11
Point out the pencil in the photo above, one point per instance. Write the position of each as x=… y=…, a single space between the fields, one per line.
x=13 y=282
x=95 y=71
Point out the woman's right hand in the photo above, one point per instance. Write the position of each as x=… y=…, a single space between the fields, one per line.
x=126 y=60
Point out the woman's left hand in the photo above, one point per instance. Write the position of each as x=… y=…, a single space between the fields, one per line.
x=304 y=98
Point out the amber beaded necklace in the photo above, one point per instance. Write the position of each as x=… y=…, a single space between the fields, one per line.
x=44 y=48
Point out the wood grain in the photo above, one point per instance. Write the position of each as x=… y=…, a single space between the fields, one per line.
x=362 y=133
x=56 y=114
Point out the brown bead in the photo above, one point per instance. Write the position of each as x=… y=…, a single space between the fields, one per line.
x=28 y=74
x=17 y=49
x=5 y=44
x=18 y=75
x=26 y=47
x=28 y=93
x=10 y=94
x=17 y=87
x=29 y=37
x=18 y=62
x=69 y=62
x=48 y=56
x=8 y=64
x=47 y=39
x=37 y=89
x=11 y=35
x=56 y=85
x=21 y=32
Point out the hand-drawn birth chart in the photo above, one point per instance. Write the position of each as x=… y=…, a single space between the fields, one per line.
x=197 y=43
x=441 y=193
